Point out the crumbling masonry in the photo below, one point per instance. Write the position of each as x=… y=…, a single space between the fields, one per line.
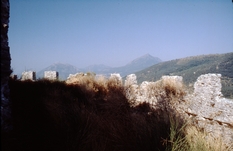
x=5 y=67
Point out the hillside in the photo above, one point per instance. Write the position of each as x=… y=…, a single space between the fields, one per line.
x=192 y=67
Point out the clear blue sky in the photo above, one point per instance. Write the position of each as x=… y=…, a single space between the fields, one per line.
x=83 y=33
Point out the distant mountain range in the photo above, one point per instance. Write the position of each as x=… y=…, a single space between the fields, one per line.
x=149 y=68
x=136 y=65
x=190 y=68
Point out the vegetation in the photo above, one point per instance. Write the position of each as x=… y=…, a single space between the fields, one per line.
x=91 y=114
x=191 y=68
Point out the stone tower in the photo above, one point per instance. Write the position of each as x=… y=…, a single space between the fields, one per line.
x=5 y=67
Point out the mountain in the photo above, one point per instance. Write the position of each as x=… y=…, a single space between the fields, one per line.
x=136 y=65
x=63 y=69
x=143 y=62
x=191 y=68
x=98 y=69
x=133 y=66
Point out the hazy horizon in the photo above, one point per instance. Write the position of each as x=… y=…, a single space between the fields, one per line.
x=113 y=33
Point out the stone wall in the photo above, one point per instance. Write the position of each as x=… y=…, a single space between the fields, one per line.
x=28 y=75
x=209 y=109
x=31 y=75
x=51 y=75
x=5 y=67
x=205 y=107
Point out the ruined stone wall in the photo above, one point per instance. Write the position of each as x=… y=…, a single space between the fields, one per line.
x=28 y=75
x=209 y=109
x=205 y=107
x=51 y=75
x=5 y=67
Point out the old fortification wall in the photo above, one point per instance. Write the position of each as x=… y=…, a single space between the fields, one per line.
x=205 y=107
x=5 y=67
x=31 y=75
x=28 y=75
x=51 y=75
x=209 y=109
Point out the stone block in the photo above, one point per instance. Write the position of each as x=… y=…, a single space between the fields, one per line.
x=14 y=76
x=51 y=75
x=28 y=75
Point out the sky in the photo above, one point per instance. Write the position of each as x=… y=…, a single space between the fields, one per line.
x=115 y=32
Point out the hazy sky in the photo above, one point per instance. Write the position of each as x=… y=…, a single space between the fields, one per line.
x=83 y=33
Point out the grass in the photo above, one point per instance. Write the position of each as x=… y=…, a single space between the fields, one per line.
x=199 y=140
x=187 y=137
x=91 y=114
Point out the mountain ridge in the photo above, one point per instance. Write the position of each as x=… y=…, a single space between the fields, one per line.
x=190 y=68
x=133 y=66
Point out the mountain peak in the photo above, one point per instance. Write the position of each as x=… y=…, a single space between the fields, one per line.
x=147 y=55
x=147 y=59
x=143 y=62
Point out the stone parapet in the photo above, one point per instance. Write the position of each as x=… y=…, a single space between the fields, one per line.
x=51 y=75
x=28 y=75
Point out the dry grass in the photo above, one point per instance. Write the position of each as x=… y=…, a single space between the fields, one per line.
x=94 y=114
x=199 y=140
x=187 y=137
x=173 y=87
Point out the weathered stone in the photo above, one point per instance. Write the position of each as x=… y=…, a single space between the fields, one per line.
x=207 y=103
x=206 y=106
x=5 y=68
x=28 y=75
x=207 y=99
x=208 y=87
x=51 y=75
